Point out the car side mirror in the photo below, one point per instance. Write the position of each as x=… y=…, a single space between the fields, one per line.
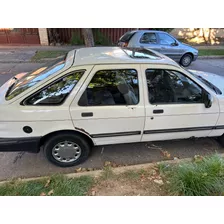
x=208 y=99
x=174 y=43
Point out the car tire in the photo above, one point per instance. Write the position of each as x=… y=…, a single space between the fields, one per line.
x=186 y=60
x=66 y=149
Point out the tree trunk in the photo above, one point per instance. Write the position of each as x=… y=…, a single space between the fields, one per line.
x=203 y=33
x=88 y=37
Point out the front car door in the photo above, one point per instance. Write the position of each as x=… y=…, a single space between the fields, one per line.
x=109 y=106
x=169 y=46
x=174 y=106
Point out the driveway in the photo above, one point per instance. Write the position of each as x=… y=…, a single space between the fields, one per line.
x=14 y=164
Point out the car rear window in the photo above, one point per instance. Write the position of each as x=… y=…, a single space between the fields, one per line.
x=127 y=36
x=32 y=78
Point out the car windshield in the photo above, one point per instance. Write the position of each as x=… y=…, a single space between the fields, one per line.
x=206 y=82
x=32 y=78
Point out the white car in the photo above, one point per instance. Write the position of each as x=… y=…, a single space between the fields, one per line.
x=107 y=95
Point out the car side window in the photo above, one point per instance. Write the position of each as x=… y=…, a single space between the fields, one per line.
x=112 y=87
x=148 y=38
x=166 y=39
x=171 y=87
x=56 y=92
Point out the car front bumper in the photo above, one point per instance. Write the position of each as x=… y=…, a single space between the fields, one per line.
x=20 y=144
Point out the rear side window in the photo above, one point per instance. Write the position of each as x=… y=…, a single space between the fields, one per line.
x=57 y=92
x=112 y=87
x=148 y=38
x=127 y=36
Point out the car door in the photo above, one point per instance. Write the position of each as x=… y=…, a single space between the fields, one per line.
x=149 y=40
x=109 y=106
x=174 y=105
x=169 y=46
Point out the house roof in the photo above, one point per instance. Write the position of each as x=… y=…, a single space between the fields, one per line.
x=118 y=55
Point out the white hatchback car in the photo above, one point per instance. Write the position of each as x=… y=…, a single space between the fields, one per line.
x=107 y=95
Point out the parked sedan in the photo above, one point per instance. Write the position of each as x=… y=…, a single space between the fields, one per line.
x=162 y=42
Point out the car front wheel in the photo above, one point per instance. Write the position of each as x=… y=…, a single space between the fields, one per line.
x=66 y=149
x=186 y=60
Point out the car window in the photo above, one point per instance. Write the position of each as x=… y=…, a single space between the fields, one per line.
x=112 y=87
x=32 y=78
x=165 y=39
x=165 y=86
x=148 y=38
x=56 y=92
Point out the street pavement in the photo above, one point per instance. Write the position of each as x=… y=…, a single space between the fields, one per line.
x=20 y=164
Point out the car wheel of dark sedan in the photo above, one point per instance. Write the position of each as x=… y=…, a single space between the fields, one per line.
x=186 y=60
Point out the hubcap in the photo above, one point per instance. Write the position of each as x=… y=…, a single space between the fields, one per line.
x=66 y=151
x=186 y=60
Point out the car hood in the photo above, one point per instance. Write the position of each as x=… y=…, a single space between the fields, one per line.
x=216 y=80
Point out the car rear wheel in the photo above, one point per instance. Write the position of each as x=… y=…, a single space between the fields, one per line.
x=66 y=149
x=186 y=60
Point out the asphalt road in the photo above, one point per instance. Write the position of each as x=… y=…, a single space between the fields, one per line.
x=14 y=164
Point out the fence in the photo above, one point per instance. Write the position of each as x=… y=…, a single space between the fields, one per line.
x=112 y=34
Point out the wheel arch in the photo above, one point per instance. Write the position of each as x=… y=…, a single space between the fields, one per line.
x=76 y=132
x=190 y=53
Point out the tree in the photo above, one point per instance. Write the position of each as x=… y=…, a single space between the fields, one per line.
x=88 y=37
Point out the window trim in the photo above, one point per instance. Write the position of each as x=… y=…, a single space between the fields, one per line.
x=171 y=103
x=23 y=102
x=167 y=35
x=113 y=105
x=149 y=33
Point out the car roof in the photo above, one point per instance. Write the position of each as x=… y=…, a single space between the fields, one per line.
x=143 y=31
x=116 y=55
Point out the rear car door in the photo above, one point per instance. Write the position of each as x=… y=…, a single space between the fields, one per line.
x=174 y=106
x=109 y=106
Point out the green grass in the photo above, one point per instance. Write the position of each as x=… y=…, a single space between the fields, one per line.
x=40 y=55
x=131 y=175
x=107 y=173
x=58 y=186
x=199 y=178
x=211 y=52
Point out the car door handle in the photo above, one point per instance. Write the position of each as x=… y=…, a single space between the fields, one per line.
x=157 y=111
x=87 y=114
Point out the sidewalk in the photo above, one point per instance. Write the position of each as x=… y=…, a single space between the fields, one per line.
x=19 y=54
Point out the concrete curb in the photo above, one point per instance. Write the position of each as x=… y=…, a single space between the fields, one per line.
x=117 y=170
x=211 y=57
